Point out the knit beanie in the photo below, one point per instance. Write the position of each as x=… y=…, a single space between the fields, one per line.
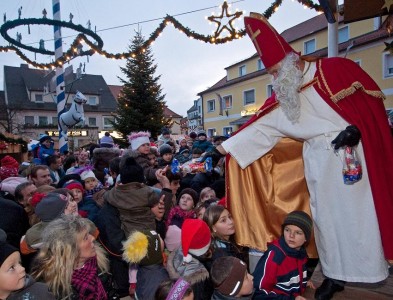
x=201 y=133
x=301 y=220
x=73 y=184
x=195 y=238
x=9 y=167
x=9 y=162
x=5 y=248
x=87 y=174
x=143 y=248
x=137 y=139
x=165 y=149
x=131 y=172
x=227 y=274
x=51 y=207
x=165 y=131
x=190 y=192
x=193 y=135
x=178 y=289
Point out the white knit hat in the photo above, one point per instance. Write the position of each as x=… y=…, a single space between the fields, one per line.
x=138 y=138
x=87 y=174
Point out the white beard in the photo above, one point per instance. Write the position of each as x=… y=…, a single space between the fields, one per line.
x=286 y=87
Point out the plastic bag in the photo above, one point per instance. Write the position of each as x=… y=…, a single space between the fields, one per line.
x=352 y=168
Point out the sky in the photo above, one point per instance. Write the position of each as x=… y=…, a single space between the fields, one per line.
x=186 y=66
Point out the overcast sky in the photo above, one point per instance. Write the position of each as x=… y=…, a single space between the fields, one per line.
x=186 y=66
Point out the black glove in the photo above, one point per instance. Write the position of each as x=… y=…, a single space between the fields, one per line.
x=348 y=137
x=215 y=156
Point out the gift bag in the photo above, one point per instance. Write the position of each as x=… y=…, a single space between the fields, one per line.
x=352 y=168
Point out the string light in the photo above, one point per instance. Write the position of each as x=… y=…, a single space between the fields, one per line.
x=82 y=37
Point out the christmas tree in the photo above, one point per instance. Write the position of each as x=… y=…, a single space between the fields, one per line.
x=141 y=104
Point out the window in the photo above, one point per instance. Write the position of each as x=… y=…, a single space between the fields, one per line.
x=226 y=131
x=39 y=98
x=309 y=46
x=249 y=97
x=388 y=65
x=242 y=70
x=211 y=105
x=55 y=121
x=227 y=101
x=42 y=121
x=260 y=65
x=343 y=34
x=29 y=120
x=211 y=132
x=269 y=90
x=92 y=100
x=108 y=122
x=92 y=122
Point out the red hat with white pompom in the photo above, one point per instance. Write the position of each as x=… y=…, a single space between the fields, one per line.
x=195 y=238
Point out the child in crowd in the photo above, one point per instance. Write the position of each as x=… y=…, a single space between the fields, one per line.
x=87 y=207
x=231 y=279
x=145 y=248
x=184 y=209
x=15 y=284
x=183 y=145
x=174 y=290
x=166 y=155
x=201 y=207
x=188 y=261
x=43 y=149
x=48 y=208
x=207 y=193
x=202 y=143
x=93 y=188
x=196 y=153
x=222 y=229
x=183 y=156
x=281 y=272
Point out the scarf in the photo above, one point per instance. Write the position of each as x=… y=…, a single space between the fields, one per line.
x=87 y=283
x=177 y=216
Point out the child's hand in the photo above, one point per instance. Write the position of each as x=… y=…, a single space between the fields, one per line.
x=161 y=177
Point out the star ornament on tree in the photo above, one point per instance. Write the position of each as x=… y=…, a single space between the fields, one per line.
x=387 y=5
x=231 y=18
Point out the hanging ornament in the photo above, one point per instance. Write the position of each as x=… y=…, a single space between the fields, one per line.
x=219 y=19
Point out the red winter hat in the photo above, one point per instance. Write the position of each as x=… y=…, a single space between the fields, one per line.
x=271 y=47
x=9 y=162
x=195 y=238
x=73 y=184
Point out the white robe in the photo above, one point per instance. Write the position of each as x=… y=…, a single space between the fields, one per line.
x=345 y=222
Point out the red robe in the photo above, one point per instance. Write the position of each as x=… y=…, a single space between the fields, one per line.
x=356 y=98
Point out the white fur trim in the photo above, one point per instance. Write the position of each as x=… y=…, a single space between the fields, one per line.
x=187 y=258
x=137 y=142
x=199 y=252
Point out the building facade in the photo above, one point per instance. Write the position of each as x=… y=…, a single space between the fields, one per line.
x=194 y=116
x=235 y=98
x=30 y=98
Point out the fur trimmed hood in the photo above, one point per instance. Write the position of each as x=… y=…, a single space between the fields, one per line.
x=193 y=272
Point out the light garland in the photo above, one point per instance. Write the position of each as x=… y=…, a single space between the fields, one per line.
x=72 y=52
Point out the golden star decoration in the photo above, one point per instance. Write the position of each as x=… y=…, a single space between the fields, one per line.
x=387 y=5
x=219 y=19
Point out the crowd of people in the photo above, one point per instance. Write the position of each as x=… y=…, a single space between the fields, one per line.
x=154 y=221
x=143 y=230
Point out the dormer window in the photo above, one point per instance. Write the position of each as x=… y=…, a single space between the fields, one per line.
x=39 y=98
